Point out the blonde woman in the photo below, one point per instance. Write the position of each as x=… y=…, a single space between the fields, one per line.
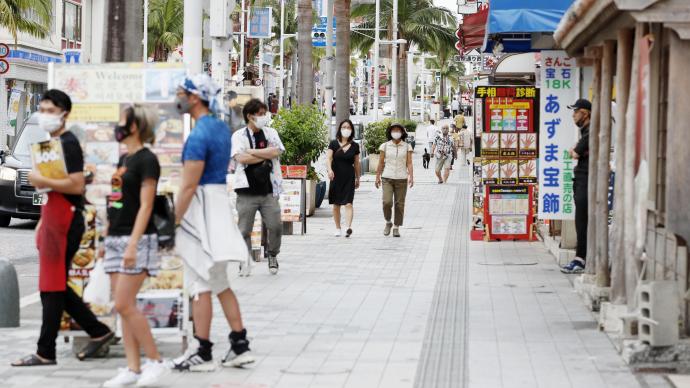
x=131 y=245
x=395 y=174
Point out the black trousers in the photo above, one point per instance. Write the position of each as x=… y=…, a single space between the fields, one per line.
x=580 y=190
x=54 y=303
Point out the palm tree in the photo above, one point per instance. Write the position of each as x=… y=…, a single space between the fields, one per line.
x=342 y=60
x=445 y=64
x=28 y=16
x=420 y=22
x=165 y=29
x=304 y=51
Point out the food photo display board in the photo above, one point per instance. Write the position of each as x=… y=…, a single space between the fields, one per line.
x=99 y=93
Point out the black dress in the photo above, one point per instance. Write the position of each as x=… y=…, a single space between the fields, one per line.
x=342 y=188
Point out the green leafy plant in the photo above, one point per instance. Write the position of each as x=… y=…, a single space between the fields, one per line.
x=375 y=133
x=304 y=133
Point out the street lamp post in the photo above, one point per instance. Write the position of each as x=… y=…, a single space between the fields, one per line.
x=377 y=26
x=394 y=55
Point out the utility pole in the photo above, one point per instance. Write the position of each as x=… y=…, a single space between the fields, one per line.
x=394 y=55
x=220 y=30
x=191 y=42
x=330 y=59
x=243 y=33
x=377 y=26
x=282 y=74
x=145 y=40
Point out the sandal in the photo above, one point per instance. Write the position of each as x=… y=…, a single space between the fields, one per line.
x=33 y=360
x=94 y=346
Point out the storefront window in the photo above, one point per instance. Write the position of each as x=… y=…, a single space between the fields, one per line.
x=71 y=21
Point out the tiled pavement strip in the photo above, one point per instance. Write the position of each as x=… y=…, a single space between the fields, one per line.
x=357 y=312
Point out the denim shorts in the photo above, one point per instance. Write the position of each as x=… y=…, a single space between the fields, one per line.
x=147 y=255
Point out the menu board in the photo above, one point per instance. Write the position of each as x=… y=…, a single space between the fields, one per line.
x=291 y=200
x=509 y=210
x=49 y=159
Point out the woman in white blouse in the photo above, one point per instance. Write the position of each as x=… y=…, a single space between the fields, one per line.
x=395 y=174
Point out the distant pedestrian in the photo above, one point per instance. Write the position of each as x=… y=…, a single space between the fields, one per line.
x=131 y=244
x=431 y=133
x=465 y=144
x=57 y=238
x=459 y=120
x=443 y=150
x=234 y=115
x=258 y=179
x=581 y=116
x=395 y=173
x=343 y=171
x=204 y=237
x=455 y=106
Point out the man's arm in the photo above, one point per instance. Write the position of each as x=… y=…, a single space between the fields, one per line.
x=266 y=153
x=74 y=183
x=191 y=175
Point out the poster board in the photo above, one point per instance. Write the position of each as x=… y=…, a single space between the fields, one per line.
x=508 y=211
x=99 y=93
x=506 y=138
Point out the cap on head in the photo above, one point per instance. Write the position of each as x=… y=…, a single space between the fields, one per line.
x=581 y=104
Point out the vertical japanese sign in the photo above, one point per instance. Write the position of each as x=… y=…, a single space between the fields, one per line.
x=557 y=135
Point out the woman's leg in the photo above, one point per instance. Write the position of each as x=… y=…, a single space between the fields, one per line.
x=349 y=214
x=387 y=199
x=231 y=308
x=336 y=216
x=133 y=321
x=400 y=195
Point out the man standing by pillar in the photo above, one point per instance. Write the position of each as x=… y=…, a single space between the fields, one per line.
x=582 y=110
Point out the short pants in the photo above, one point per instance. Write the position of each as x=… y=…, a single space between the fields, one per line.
x=217 y=282
x=147 y=255
x=443 y=162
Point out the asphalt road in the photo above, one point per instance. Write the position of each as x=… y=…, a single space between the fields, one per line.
x=18 y=245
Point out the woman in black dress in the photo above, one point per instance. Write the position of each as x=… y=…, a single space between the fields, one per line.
x=343 y=171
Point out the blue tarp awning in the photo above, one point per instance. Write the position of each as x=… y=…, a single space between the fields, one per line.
x=510 y=16
x=512 y=22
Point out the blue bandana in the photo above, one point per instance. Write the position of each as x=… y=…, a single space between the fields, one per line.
x=206 y=88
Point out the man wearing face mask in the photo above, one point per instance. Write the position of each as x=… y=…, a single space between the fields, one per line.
x=581 y=115
x=58 y=236
x=258 y=179
x=443 y=148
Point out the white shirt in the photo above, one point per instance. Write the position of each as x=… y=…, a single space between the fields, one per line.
x=455 y=104
x=431 y=133
x=395 y=159
x=240 y=143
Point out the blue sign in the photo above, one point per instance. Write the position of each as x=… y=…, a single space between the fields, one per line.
x=72 y=56
x=33 y=57
x=318 y=33
x=260 y=23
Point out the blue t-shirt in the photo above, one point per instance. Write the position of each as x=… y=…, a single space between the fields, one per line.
x=209 y=141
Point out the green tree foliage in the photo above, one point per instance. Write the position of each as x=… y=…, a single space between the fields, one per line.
x=28 y=16
x=165 y=27
x=304 y=133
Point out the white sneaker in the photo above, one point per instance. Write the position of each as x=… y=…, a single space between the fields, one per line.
x=338 y=232
x=152 y=372
x=238 y=360
x=124 y=377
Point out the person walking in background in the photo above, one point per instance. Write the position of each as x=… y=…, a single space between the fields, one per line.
x=233 y=118
x=455 y=107
x=343 y=171
x=443 y=149
x=58 y=235
x=258 y=179
x=459 y=120
x=394 y=173
x=581 y=116
x=431 y=133
x=204 y=237
x=465 y=144
x=131 y=243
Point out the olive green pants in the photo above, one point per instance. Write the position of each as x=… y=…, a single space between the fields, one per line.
x=394 y=192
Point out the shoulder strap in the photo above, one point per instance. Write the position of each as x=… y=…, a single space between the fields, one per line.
x=246 y=131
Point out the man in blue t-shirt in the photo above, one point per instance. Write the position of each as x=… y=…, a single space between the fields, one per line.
x=206 y=157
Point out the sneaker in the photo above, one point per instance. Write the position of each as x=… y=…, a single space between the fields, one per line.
x=338 y=233
x=239 y=354
x=575 y=266
x=396 y=232
x=152 y=372
x=124 y=377
x=273 y=265
x=193 y=363
x=387 y=229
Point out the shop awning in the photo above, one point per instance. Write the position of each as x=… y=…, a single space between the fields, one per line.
x=472 y=30
x=513 y=22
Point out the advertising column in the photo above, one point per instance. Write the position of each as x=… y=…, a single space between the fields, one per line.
x=557 y=136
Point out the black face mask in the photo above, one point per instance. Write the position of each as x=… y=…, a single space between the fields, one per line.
x=122 y=132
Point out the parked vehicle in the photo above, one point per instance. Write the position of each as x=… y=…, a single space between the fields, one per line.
x=16 y=194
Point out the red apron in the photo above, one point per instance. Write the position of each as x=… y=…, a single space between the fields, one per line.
x=51 y=241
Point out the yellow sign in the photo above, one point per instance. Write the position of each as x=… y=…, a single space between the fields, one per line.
x=95 y=112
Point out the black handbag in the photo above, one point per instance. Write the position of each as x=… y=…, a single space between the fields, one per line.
x=257 y=173
x=164 y=220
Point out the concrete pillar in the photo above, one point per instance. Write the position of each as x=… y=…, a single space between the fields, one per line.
x=594 y=52
x=9 y=295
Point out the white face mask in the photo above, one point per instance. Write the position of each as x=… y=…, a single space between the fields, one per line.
x=261 y=121
x=396 y=135
x=49 y=122
x=346 y=133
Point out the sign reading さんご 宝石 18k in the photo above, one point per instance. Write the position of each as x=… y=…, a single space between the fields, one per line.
x=557 y=135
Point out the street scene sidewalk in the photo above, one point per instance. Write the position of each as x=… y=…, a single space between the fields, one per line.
x=369 y=311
